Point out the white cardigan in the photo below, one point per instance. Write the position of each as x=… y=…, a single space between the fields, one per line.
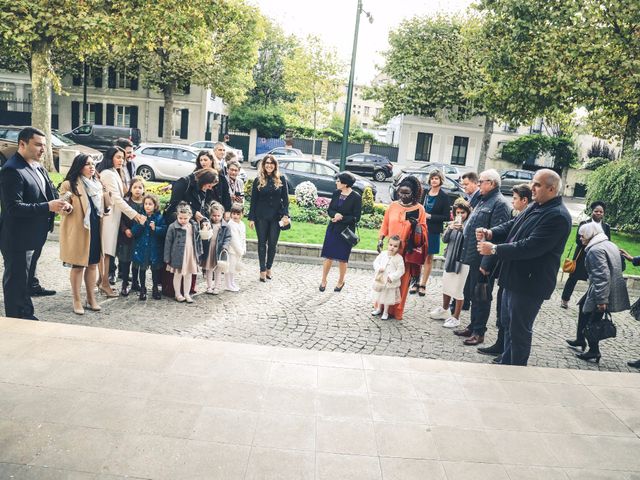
x=393 y=268
x=111 y=223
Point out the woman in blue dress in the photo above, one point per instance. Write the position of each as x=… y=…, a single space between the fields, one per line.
x=436 y=204
x=344 y=210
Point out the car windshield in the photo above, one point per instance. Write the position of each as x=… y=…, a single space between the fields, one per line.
x=58 y=140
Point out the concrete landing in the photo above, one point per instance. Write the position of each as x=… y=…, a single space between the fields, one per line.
x=80 y=402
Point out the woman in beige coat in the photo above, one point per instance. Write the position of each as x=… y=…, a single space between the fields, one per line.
x=111 y=177
x=80 y=243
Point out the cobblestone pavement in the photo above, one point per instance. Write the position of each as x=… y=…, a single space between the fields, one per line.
x=289 y=311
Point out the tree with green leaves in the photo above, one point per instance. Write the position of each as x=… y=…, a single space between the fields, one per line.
x=551 y=57
x=268 y=72
x=268 y=121
x=434 y=69
x=313 y=75
x=33 y=32
x=177 y=44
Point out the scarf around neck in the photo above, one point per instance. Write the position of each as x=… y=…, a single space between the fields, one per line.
x=94 y=190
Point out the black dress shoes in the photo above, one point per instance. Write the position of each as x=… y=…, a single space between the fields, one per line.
x=497 y=360
x=635 y=364
x=494 y=350
x=40 y=291
x=30 y=317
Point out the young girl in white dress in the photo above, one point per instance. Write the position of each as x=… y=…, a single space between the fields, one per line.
x=389 y=268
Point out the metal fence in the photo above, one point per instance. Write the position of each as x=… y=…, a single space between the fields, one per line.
x=18 y=112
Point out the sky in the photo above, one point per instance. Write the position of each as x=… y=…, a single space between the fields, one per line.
x=334 y=22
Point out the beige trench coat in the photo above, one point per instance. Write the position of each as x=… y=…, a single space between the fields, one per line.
x=111 y=223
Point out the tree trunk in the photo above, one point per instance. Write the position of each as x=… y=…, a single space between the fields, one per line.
x=167 y=121
x=486 y=140
x=41 y=96
x=630 y=134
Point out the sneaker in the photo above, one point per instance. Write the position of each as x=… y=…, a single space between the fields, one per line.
x=439 y=314
x=233 y=288
x=216 y=291
x=188 y=299
x=385 y=316
x=210 y=291
x=376 y=312
x=451 y=322
x=180 y=298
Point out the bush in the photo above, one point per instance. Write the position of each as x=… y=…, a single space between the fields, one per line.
x=618 y=183
x=322 y=203
x=601 y=149
x=594 y=163
x=248 y=188
x=306 y=194
x=367 y=201
x=530 y=147
x=373 y=220
x=269 y=121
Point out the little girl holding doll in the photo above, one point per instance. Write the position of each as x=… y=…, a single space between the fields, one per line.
x=182 y=251
x=389 y=268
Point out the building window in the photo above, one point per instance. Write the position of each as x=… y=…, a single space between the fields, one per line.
x=366 y=111
x=91 y=113
x=123 y=116
x=459 y=152
x=423 y=146
x=177 y=121
x=122 y=80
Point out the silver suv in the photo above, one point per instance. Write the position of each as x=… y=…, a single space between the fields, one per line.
x=511 y=178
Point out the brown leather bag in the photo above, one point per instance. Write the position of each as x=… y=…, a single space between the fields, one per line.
x=569 y=265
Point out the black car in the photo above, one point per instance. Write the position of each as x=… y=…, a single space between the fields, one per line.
x=371 y=165
x=322 y=174
x=450 y=187
x=102 y=137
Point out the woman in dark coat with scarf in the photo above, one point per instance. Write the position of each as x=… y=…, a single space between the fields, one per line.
x=344 y=210
x=194 y=189
x=580 y=273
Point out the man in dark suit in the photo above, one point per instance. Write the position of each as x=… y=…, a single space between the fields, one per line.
x=529 y=248
x=28 y=202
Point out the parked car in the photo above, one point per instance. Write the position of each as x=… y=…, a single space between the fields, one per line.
x=208 y=145
x=279 y=152
x=511 y=178
x=165 y=161
x=371 y=165
x=101 y=137
x=64 y=149
x=451 y=187
x=319 y=172
x=450 y=171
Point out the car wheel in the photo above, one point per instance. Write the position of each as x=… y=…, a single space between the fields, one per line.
x=379 y=176
x=146 y=173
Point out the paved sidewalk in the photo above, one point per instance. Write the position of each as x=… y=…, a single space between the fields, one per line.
x=289 y=311
x=91 y=403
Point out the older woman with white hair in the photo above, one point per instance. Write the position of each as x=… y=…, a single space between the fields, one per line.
x=607 y=291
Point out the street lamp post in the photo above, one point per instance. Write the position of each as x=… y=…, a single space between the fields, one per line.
x=347 y=111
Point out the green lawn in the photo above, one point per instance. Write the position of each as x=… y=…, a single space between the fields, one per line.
x=314 y=234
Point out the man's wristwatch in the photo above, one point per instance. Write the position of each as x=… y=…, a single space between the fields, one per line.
x=494 y=249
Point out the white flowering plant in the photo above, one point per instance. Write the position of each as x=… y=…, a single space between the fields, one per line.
x=306 y=194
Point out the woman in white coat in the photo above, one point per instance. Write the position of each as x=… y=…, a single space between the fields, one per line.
x=111 y=176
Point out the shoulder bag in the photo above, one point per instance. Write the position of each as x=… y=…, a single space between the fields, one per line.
x=569 y=265
x=349 y=236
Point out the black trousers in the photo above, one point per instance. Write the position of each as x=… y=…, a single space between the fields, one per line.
x=268 y=232
x=480 y=311
x=519 y=311
x=569 y=286
x=32 y=259
x=15 y=283
x=142 y=275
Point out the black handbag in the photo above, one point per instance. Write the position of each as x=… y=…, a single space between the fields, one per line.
x=597 y=330
x=635 y=310
x=350 y=236
x=481 y=292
